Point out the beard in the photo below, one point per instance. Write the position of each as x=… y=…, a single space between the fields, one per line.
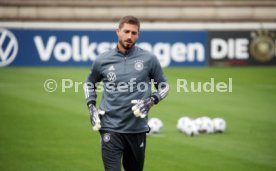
x=128 y=44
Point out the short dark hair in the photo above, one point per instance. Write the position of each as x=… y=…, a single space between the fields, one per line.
x=129 y=20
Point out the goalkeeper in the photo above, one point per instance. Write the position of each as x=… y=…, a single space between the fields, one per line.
x=126 y=72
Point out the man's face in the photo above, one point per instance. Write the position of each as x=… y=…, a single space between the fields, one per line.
x=128 y=35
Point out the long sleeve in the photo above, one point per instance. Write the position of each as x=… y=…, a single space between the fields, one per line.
x=160 y=81
x=91 y=82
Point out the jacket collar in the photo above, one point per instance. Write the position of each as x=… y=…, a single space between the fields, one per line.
x=128 y=52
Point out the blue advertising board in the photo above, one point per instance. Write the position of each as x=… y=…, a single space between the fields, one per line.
x=46 y=47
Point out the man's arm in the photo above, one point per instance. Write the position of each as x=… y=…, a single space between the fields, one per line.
x=160 y=81
x=90 y=94
x=91 y=82
x=141 y=107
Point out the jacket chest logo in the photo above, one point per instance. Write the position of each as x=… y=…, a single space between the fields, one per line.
x=111 y=76
x=111 y=68
x=138 y=65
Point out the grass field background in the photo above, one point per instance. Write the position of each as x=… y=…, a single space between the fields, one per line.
x=42 y=131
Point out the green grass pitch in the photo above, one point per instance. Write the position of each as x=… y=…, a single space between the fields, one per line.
x=42 y=131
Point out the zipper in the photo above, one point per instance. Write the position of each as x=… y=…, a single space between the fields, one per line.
x=125 y=64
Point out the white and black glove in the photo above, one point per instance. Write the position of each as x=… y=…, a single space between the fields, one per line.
x=94 y=117
x=141 y=107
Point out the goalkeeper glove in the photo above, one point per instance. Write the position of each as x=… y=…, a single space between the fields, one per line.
x=94 y=117
x=141 y=107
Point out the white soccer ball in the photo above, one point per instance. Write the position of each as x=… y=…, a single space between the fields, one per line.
x=198 y=123
x=187 y=126
x=219 y=125
x=182 y=121
x=206 y=125
x=155 y=125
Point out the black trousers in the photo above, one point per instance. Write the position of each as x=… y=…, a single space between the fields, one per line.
x=128 y=148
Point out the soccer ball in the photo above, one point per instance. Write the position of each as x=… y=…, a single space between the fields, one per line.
x=155 y=125
x=187 y=126
x=198 y=123
x=206 y=125
x=219 y=125
x=182 y=121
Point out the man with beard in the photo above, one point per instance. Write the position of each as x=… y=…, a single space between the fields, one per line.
x=127 y=73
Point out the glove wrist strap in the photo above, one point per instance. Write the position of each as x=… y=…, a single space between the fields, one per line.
x=154 y=99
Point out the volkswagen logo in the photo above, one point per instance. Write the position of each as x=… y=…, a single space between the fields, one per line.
x=8 y=47
x=111 y=76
